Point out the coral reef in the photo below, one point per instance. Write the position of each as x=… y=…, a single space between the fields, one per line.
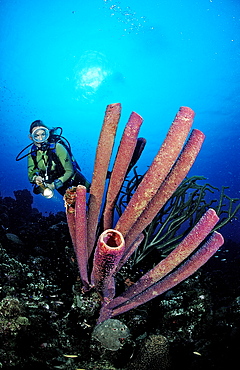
x=10 y=317
x=12 y=325
x=49 y=314
x=199 y=318
x=153 y=354
x=111 y=334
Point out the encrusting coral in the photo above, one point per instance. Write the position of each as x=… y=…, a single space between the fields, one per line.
x=11 y=320
x=91 y=226
x=153 y=354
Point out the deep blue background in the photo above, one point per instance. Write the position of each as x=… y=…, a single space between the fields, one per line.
x=64 y=61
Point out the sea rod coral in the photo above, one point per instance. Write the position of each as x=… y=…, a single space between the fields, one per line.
x=92 y=226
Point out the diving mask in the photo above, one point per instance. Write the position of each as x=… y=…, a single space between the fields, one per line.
x=40 y=135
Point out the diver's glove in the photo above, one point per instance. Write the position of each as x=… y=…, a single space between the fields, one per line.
x=58 y=183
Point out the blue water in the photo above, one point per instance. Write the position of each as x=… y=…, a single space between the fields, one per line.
x=64 y=61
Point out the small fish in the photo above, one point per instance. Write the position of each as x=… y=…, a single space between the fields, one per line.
x=70 y=356
x=197 y=353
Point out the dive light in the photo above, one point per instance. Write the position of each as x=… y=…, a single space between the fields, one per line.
x=47 y=191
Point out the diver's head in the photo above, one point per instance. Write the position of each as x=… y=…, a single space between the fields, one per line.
x=39 y=132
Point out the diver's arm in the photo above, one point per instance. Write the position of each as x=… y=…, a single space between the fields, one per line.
x=66 y=162
x=32 y=171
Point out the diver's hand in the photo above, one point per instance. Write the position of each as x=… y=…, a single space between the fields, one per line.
x=38 y=180
x=50 y=186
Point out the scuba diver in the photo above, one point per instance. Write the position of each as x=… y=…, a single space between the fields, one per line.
x=51 y=164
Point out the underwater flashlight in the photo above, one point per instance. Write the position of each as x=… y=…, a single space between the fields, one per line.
x=47 y=192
